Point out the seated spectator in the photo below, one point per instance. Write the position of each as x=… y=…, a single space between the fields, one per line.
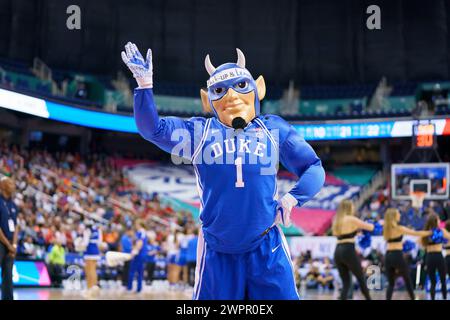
x=312 y=277
x=28 y=247
x=326 y=278
x=111 y=238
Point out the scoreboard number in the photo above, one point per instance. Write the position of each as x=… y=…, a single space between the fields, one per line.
x=424 y=135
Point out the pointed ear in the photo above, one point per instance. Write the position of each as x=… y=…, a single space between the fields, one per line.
x=261 y=87
x=205 y=101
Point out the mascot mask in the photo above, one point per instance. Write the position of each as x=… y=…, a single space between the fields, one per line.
x=232 y=93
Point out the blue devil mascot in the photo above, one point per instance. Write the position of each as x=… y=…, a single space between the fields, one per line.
x=242 y=252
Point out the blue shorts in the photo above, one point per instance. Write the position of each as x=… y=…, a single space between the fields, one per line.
x=265 y=273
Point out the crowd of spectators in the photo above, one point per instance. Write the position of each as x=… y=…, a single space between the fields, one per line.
x=320 y=273
x=314 y=273
x=411 y=217
x=58 y=192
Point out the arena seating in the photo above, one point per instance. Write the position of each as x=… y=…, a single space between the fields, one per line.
x=59 y=191
x=316 y=102
x=354 y=174
x=179 y=185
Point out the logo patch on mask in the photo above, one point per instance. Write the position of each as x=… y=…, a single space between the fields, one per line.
x=227 y=75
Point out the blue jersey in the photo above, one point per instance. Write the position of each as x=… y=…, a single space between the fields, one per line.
x=127 y=245
x=236 y=170
x=140 y=235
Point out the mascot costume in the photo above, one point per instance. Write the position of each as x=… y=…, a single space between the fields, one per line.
x=242 y=252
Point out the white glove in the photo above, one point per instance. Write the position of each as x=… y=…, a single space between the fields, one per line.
x=284 y=208
x=142 y=69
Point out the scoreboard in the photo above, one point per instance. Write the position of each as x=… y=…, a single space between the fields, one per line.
x=424 y=135
x=314 y=130
x=424 y=132
x=346 y=131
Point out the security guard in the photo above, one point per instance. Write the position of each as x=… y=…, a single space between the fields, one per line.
x=8 y=235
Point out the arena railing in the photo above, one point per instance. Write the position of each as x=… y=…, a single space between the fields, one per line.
x=377 y=181
x=32 y=191
x=113 y=202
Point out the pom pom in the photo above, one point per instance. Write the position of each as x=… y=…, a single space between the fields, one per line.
x=365 y=240
x=378 y=229
x=79 y=244
x=437 y=236
x=408 y=246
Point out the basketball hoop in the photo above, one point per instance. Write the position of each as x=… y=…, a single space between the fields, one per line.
x=417 y=198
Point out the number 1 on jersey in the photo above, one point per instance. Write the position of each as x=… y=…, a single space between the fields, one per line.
x=239 y=181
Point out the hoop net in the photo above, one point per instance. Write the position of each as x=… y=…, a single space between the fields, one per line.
x=417 y=198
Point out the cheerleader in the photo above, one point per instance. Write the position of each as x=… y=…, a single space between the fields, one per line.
x=92 y=239
x=434 y=259
x=182 y=260
x=395 y=263
x=345 y=227
x=172 y=249
x=447 y=248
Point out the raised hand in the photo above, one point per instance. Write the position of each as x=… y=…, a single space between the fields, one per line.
x=141 y=68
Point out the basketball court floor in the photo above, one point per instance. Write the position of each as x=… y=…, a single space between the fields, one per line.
x=150 y=293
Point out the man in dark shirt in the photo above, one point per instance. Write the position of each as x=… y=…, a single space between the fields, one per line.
x=8 y=235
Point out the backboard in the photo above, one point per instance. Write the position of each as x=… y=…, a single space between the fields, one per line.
x=431 y=178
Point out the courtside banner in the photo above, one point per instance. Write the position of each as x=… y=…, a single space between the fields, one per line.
x=323 y=247
x=30 y=273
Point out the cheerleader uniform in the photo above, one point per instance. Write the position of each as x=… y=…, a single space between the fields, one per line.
x=172 y=250
x=92 y=250
x=447 y=257
x=347 y=263
x=182 y=258
x=435 y=263
x=396 y=265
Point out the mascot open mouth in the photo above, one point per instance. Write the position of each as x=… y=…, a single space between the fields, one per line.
x=238 y=123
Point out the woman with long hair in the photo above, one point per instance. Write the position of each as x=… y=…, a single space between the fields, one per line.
x=345 y=227
x=434 y=260
x=395 y=263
